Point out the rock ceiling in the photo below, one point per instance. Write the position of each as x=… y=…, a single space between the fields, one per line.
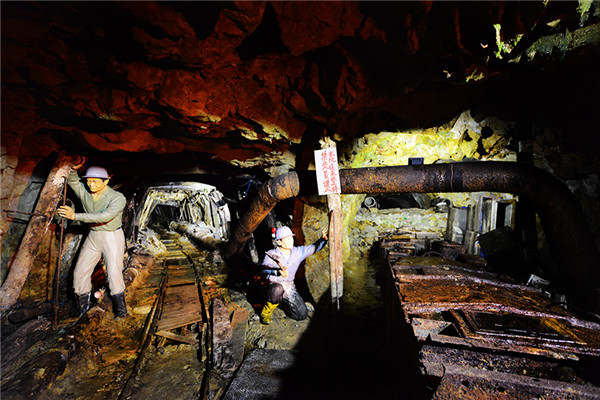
x=251 y=80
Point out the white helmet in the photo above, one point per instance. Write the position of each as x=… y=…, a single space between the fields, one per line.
x=283 y=232
x=96 y=172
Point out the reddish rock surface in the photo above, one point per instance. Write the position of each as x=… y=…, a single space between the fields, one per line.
x=236 y=80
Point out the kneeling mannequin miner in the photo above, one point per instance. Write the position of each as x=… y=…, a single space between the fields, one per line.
x=103 y=208
x=280 y=266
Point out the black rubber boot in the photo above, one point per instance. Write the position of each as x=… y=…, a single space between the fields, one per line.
x=83 y=303
x=119 y=305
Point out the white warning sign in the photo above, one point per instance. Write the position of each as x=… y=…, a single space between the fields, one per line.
x=328 y=176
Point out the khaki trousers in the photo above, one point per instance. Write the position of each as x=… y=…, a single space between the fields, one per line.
x=111 y=246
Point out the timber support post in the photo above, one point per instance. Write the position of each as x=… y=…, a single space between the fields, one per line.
x=335 y=236
x=50 y=195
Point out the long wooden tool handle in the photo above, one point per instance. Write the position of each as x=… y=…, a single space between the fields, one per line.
x=60 y=253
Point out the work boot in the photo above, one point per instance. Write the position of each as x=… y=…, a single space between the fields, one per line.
x=119 y=305
x=83 y=303
x=267 y=313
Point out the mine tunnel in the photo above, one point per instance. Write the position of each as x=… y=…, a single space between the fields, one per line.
x=442 y=158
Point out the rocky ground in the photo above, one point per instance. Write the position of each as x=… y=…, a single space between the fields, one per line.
x=338 y=354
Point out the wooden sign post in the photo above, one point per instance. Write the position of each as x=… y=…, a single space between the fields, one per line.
x=328 y=181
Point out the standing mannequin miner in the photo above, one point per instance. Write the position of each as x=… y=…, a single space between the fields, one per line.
x=280 y=266
x=103 y=208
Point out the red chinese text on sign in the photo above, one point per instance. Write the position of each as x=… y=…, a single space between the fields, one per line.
x=328 y=177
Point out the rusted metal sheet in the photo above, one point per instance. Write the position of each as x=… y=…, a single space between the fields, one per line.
x=474 y=329
x=448 y=249
x=480 y=384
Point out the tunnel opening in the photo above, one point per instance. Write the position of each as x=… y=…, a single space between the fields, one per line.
x=163 y=214
x=196 y=209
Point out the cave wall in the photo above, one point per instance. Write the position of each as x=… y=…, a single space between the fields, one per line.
x=241 y=82
x=227 y=88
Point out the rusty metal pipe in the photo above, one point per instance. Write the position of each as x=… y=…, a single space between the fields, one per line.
x=269 y=194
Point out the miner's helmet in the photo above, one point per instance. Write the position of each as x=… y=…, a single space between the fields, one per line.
x=283 y=232
x=96 y=172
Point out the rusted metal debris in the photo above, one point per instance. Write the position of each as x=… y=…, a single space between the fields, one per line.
x=476 y=334
x=471 y=383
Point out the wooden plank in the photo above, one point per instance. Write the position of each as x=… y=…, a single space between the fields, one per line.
x=178 y=322
x=179 y=267
x=192 y=313
x=186 y=292
x=181 y=311
x=175 y=299
x=181 y=301
x=174 y=306
x=180 y=281
x=179 y=338
x=335 y=236
x=239 y=323
x=222 y=348
x=180 y=272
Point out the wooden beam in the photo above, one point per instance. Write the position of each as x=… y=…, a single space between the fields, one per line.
x=222 y=347
x=335 y=236
x=336 y=265
x=239 y=323
x=33 y=377
x=45 y=208
x=19 y=341
x=178 y=322
x=179 y=338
